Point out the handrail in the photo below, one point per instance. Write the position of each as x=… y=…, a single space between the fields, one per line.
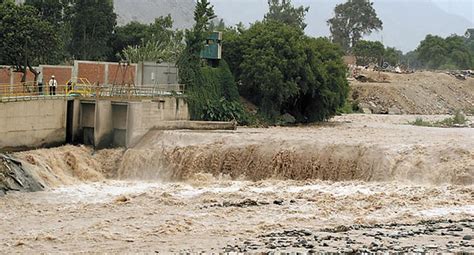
x=31 y=91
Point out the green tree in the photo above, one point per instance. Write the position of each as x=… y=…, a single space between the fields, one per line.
x=161 y=27
x=434 y=52
x=283 y=11
x=353 y=20
x=392 y=56
x=92 y=23
x=155 y=42
x=189 y=62
x=283 y=71
x=232 y=48
x=458 y=52
x=368 y=52
x=156 y=49
x=132 y=34
x=411 y=60
x=26 y=40
x=57 y=13
x=270 y=67
x=54 y=11
x=324 y=87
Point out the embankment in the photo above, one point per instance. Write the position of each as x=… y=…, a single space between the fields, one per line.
x=416 y=93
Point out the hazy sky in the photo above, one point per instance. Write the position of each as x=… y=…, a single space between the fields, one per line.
x=464 y=8
x=406 y=22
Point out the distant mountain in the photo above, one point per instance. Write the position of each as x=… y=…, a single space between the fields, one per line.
x=146 y=11
x=406 y=22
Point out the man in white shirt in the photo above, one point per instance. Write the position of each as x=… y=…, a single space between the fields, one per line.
x=53 y=83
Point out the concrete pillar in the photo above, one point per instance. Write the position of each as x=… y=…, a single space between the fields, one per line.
x=106 y=73
x=134 y=124
x=139 y=74
x=75 y=71
x=103 y=128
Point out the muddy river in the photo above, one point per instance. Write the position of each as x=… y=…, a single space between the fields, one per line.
x=357 y=184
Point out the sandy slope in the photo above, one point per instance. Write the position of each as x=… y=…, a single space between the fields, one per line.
x=417 y=93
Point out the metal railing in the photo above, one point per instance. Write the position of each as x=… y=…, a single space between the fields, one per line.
x=31 y=91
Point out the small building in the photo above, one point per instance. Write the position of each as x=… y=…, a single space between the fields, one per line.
x=213 y=49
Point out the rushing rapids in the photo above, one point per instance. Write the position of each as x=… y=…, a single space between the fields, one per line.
x=347 y=184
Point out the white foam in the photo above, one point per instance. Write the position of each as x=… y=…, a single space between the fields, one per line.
x=347 y=190
x=101 y=192
x=189 y=191
x=443 y=211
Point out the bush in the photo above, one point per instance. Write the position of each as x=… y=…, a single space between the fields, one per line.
x=223 y=110
x=349 y=107
x=458 y=119
x=420 y=122
x=216 y=97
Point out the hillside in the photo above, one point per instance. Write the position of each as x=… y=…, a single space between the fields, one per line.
x=146 y=11
x=406 y=23
x=417 y=93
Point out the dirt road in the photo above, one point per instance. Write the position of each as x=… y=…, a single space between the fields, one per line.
x=359 y=183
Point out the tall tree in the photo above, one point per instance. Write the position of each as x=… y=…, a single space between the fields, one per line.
x=54 y=11
x=92 y=23
x=156 y=49
x=129 y=35
x=189 y=62
x=368 y=52
x=26 y=40
x=393 y=56
x=284 y=11
x=353 y=20
x=451 y=53
x=283 y=71
x=57 y=13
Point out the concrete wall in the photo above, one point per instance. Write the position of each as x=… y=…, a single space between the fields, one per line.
x=103 y=73
x=101 y=123
x=32 y=124
x=149 y=73
x=62 y=74
x=145 y=116
x=120 y=120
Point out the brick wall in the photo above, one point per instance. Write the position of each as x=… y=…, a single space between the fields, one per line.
x=30 y=77
x=94 y=72
x=121 y=75
x=4 y=75
x=63 y=74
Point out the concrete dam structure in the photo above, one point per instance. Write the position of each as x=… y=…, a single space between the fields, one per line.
x=101 y=123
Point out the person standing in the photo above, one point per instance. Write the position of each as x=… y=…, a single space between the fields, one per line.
x=53 y=83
